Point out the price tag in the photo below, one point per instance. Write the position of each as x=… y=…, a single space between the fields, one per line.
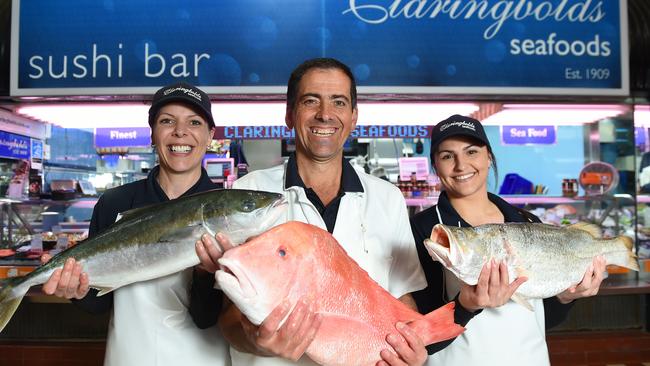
x=62 y=242
x=37 y=242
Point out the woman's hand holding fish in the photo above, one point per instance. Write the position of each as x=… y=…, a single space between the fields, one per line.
x=410 y=349
x=492 y=290
x=590 y=283
x=209 y=251
x=289 y=340
x=70 y=282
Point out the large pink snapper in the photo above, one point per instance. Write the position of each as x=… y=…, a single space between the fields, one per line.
x=295 y=260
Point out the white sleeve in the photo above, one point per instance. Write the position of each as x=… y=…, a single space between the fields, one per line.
x=406 y=273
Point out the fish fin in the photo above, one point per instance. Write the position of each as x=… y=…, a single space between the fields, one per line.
x=631 y=261
x=9 y=300
x=522 y=300
x=437 y=325
x=592 y=229
x=181 y=234
x=123 y=216
x=104 y=290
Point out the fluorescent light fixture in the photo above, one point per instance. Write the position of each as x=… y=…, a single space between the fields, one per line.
x=238 y=114
x=554 y=114
x=89 y=116
x=411 y=113
x=642 y=116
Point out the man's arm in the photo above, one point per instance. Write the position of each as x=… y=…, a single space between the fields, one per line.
x=408 y=300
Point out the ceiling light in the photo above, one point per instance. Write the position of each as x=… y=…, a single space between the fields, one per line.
x=554 y=114
x=238 y=114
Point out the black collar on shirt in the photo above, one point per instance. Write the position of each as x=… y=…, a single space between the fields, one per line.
x=350 y=181
x=203 y=184
x=451 y=217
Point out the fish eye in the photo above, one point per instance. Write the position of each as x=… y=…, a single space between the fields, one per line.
x=282 y=253
x=248 y=205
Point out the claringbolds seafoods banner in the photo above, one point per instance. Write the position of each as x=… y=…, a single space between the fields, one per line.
x=578 y=47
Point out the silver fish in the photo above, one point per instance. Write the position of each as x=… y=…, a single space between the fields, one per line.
x=154 y=241
x=553 y=258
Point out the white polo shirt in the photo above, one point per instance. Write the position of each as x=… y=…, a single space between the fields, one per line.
x=372 y=226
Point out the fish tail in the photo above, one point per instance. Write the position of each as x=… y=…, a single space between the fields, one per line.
x=438 y=325
x=11 y=293
x=629 y=260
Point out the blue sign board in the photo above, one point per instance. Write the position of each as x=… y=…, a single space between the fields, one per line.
x=639 y=136
x=37 y=149
x=281 y=132
x=122 y=137
x=528 y=135
x=14 y=146
x=63 y=47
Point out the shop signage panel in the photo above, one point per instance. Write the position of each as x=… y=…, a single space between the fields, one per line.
x=122 y=137
x=70 y=47
x=528 y=135
x=37 y=153
x=14 y=146
x=639 y=136
x=281 y=132
x=22 y=126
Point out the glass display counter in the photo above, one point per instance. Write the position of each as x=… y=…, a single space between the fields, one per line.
x=30 y=227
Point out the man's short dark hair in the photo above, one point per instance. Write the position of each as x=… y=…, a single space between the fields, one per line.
x=318 y=63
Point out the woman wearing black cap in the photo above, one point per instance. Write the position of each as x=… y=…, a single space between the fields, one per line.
x=504 y=333
x=151 y=322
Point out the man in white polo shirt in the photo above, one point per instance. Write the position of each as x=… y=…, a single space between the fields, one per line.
x=365 y=214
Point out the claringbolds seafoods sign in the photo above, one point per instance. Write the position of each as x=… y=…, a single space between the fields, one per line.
x=85 y=47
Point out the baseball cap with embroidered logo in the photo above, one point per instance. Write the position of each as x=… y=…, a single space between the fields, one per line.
x=457 y=125
x=184 y=93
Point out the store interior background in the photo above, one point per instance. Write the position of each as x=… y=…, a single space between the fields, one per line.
x=612 y=325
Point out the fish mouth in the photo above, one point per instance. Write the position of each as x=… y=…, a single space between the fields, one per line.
x=232 y=278
x=439 y=245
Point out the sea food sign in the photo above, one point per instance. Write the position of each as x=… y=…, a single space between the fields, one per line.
x=250 y=46
x=528 y=135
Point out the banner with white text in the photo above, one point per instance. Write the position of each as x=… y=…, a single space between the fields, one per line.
x=80 y=47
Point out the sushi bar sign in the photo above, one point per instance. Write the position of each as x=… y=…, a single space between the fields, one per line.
x=80 y=47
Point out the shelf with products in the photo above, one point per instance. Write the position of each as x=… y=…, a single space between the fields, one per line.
x=424 y=202
x=30 y=227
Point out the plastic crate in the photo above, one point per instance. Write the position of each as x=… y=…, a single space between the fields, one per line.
x=515 y=184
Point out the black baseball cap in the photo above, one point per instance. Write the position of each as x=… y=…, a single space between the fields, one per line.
x=185 y=93
x=457 y=125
